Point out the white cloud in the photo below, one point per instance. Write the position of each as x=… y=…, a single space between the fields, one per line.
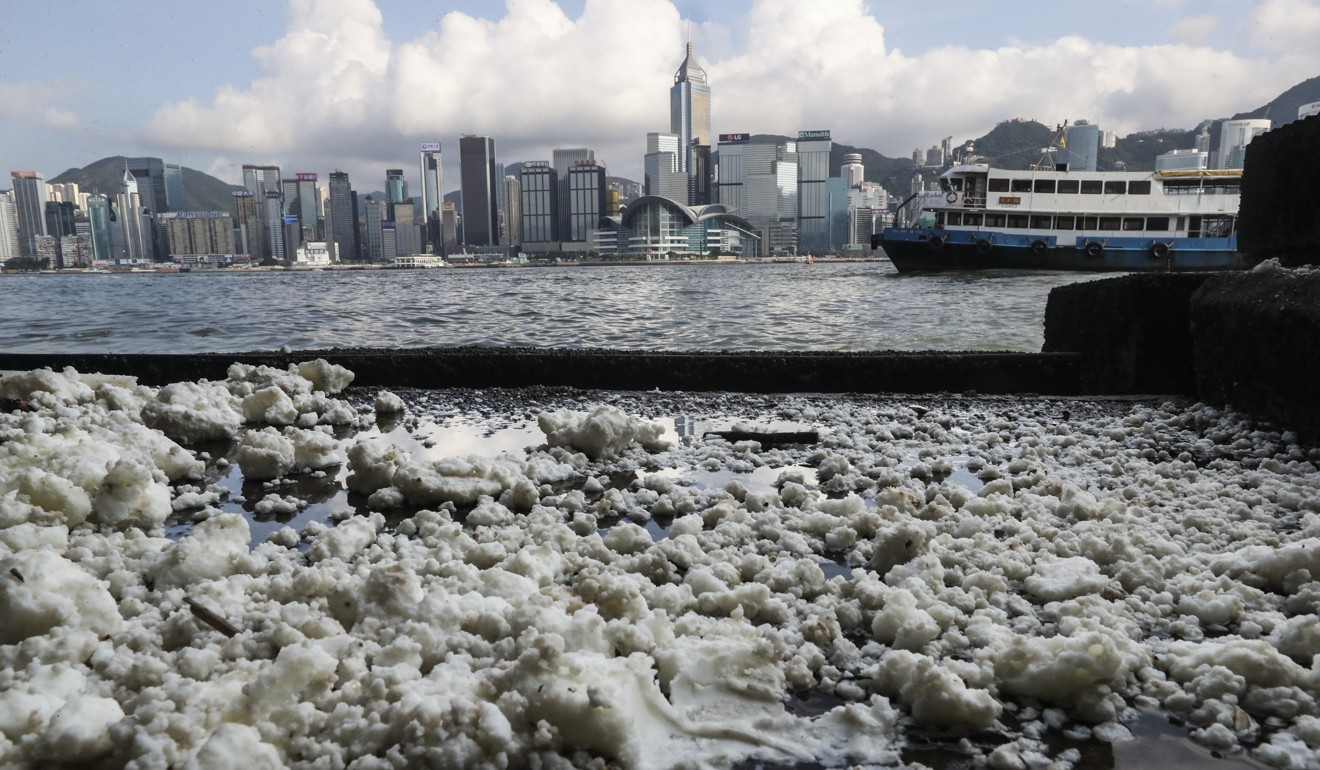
x=1290 y=27
x=335 y=92
x=1194 y=30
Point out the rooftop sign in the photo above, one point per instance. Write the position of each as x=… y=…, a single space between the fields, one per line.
x=734 y=138
x=806 y=135
x=430 y=147
x=306 y=177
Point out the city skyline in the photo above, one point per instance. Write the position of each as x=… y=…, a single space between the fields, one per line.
x=343 y=84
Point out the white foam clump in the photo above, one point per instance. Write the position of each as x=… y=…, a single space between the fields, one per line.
x=387 y=402
x=605 y=429
x=498 y=626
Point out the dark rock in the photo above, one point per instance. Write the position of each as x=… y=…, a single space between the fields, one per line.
x=1277 y=216
x=1257 y=346
x=1132 y=332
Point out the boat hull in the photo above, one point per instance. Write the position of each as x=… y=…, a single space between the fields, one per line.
x=914 y=250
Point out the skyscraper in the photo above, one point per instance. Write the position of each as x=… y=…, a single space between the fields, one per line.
x=174 y=197
x=539 y=187
x=513 y=209
x=564 y=159
x=813 y=150
x=476 y=158
x=689 y=114
x=30 y=209
x=343 y=217
x=663 y=174
x=98 y=216
x=376 y=214
x=8 y=226
x=261 y=180
x=396 y=195
x=247 y=223
x=586 y=200
x=150 y=176
x=433 y=195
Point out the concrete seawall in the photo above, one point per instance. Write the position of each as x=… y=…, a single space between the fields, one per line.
x=1277 y=217
x=753 y=372
x=1250 y=340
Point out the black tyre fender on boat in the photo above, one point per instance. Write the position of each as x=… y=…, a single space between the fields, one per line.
x=1095 y=249
x=983 y=246
x=1038 y=247
x=935 y=243
x=1159 y=250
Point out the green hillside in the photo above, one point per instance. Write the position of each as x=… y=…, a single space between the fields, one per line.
x=202 y=192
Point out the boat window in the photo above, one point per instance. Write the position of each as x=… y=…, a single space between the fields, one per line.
x=954 y=218
x=1018 y=221
x=1063 y=223
x=1087 y=223
x=956 y=183
x=944 y=185
x=939 y=219
x=998 y=184
x=1109 y=223
x=1216 y=227
x=1067 y=186
x=1159 y=224
x=1040 y=222
x=1139 y=188
x=1021 y=185
x=1115 y=188
x=1092 y=186
x=1132 y=223
x=1044 y=186
x=994 y=220
x=1194 y=227
x=972 y=220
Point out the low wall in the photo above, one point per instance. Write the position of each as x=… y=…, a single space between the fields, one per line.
x=1133 y=332
x=1256 y=344
x=753 y=372
x=1250 y=340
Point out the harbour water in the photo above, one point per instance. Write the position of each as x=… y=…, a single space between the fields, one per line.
x=847 y=306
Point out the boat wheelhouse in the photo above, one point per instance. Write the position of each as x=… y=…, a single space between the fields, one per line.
x=1056 y=219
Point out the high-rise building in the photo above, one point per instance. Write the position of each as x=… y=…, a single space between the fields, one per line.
x=1082 y=145
x=59 y=218
x=30 y=209
x=261 y=180
x=376 y=213
x=174 y=196
x=433 y=195
x=98 y=216
x=396 y=193
x=813 y=152
x=150 y=176
x=586 y=200
x=197 y=232
x=247 y=222
x=1235 y=135
x=852 y=171
x=513 y=209
x=564 y=158
x=343 y=218
x=449 y=224
x=481 y=216
x=8 y=226
x=539 y=191
x=759 y=182
x=273 y=221
x=689 y=116
x=664 y=177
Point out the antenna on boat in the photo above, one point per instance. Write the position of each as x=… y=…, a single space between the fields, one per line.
x=1059 y=143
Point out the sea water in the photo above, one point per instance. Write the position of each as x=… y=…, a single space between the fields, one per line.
x=847 y=306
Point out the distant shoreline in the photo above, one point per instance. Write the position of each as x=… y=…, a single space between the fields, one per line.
x=372 y=267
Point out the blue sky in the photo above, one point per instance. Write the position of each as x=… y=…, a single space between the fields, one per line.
x=315 y=85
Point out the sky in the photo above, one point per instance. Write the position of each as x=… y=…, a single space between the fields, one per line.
x=356 y=85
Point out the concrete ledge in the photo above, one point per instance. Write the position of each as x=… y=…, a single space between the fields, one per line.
x=1132 y=332
x=1257 y=346
x=754 y=372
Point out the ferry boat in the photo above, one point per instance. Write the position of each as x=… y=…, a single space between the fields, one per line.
x=1056 y=219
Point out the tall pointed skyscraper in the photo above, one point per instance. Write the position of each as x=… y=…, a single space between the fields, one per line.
x=689 y=112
